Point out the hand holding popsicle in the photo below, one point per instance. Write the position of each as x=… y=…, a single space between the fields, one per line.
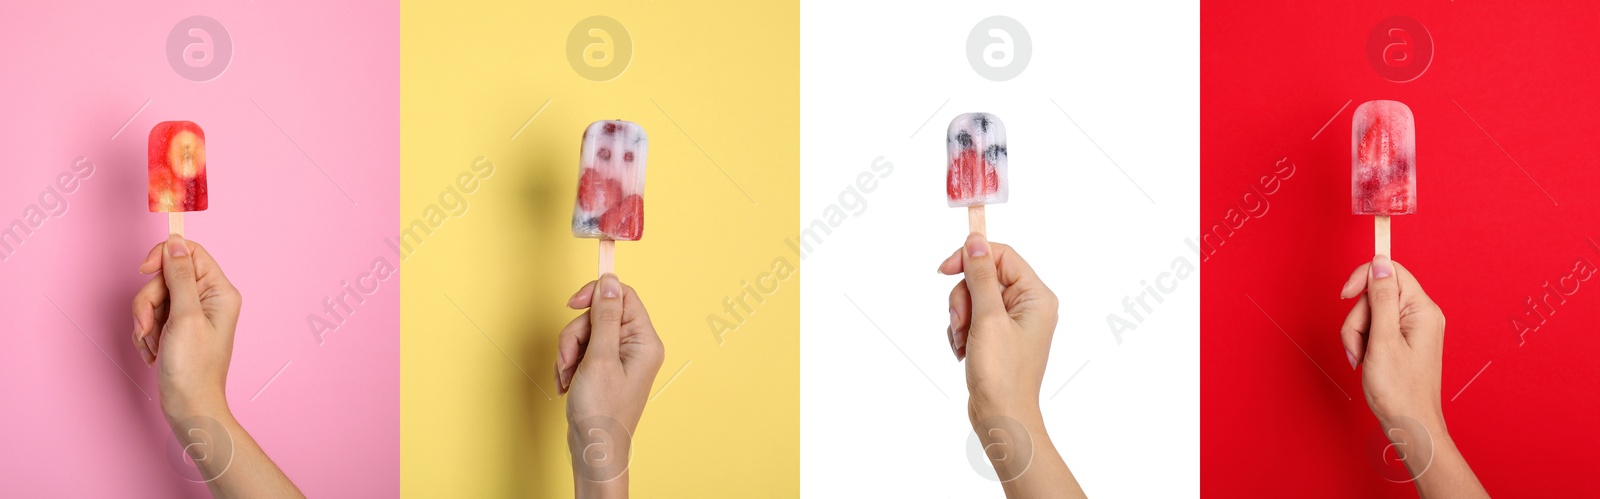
x=606 y=362
x=184 y=319
x=1002 y=319
x=1396 y=332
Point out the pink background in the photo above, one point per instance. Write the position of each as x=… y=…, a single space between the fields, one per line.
x=74 y=423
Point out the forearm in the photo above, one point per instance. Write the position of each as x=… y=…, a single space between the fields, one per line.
x=228 y=459
x=1024 y=458
x=616 y=488
x=1438 y=468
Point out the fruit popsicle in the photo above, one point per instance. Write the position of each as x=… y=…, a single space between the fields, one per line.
x=177 y=167
x=976 y=173
x=1383 y=165
x=610 y=202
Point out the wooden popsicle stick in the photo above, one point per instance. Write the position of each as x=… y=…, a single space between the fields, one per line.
x=975 y=220
x=175 y=223
x=608 y=249
x=1380 y=236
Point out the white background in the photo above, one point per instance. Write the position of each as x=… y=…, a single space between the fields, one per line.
x=883 y=413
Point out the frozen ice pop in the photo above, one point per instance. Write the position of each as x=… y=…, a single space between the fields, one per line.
x=177 y=166
x=977 y=169
x=1383 y=165
x=610 y=203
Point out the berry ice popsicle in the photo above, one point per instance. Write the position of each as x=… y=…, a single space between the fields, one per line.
x=177 y=167
x=1383 y=165
x=976 y=173
x=610 y=202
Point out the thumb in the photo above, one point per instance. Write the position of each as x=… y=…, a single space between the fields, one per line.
x=605 y=319
x=983 y=282
x=1383 y=295
x=177 y=266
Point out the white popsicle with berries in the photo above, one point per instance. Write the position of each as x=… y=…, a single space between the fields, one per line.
x=610 y=202
x=976 y=173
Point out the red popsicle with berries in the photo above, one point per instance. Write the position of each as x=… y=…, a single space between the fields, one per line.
x=976 y=171
x=1383 y=165
x=177 y=166
x=610 y=204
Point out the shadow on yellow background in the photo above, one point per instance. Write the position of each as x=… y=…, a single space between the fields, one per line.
x=492 y=112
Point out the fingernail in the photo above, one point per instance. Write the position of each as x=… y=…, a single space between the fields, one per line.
x=175 y=246
x=138 y=327
x=951 y=333
x=1381 y=267
x=1352 y=358
x=558 y=373
x=961 y=342
x=610 y=288
x=952 y=318
x=977 y=246
x=150 y=343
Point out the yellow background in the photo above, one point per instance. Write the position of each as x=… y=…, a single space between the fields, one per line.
x=472 y=73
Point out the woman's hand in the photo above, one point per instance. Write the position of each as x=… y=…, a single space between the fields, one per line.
x=184 y=318
x=606 y=361
x=1397 y=333
x=1002 y=318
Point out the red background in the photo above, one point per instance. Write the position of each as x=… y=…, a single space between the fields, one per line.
x=1484 y=239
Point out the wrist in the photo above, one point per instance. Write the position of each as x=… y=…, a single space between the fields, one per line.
x=179 y=405
x=1010 y=439
x=981 y=408
x=1419 y=441
x=602 y=449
